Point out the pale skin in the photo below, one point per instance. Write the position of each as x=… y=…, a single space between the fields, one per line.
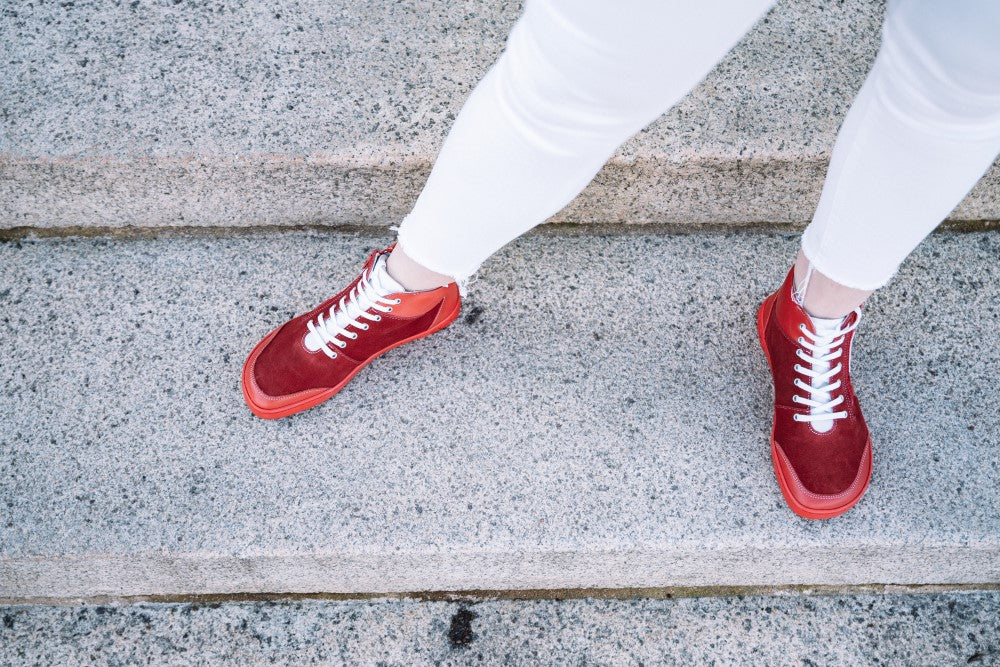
x=823 y=298
x=412 y=275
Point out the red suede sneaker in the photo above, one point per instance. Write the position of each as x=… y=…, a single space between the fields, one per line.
x=311 y=357
x=820 y=445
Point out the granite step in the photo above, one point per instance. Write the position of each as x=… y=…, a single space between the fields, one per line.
x=953 y=628
x=598 y=417
x=305 y=112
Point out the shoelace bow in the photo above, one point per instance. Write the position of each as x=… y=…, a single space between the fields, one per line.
x=823 y=349
x=348 y=312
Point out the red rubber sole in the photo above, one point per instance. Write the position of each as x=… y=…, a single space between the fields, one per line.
x=803 y=511
x=312 y=401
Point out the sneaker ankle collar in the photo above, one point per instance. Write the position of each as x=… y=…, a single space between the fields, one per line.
x=789 y=314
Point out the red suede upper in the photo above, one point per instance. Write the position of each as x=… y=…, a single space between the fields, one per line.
x=285 y=366
x=826 y=463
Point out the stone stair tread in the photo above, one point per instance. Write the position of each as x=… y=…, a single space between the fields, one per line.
x=926 y=629
x=305 y=112
x=597 y=417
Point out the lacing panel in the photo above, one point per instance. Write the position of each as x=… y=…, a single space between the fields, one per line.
x=819 y=351
x=350 y=311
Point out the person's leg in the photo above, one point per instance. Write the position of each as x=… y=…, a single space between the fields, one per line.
x=923 y=129
x=921 y=132
x=577 y=78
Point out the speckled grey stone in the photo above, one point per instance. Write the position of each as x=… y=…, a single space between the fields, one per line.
x=911 y=630
x=292 y=112
x=598 y=417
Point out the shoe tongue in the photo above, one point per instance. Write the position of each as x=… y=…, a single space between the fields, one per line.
x=826 y=327
x=381 y=279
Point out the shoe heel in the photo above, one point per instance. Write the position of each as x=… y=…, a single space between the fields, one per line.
x=447 y=319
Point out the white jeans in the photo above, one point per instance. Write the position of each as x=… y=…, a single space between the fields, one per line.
x=579 y=77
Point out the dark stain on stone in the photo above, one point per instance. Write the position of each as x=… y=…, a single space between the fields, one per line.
x=975 y=657
x=473 y=315
x=460 y=633
x=8 y=621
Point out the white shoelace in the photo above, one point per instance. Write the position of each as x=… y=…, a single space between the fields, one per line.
x=824 y=347
x=370 y=293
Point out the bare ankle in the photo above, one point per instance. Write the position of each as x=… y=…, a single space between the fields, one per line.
x=411 y=275
x=821 y=296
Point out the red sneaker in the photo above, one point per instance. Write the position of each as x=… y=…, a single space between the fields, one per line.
x=311 y=357
x=820 y=445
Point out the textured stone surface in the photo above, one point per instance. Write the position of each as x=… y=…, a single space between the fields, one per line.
x=942 y=629
x=598 y=416
x=302 y=112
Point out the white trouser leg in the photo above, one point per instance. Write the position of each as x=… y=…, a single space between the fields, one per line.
x=577 y=78
x=922 y=131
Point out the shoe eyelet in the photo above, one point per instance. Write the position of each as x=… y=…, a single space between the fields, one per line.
x=389 y=309
x=378 y=318
x=341 y=345
x=354 y=336
x=795 y=417
x=365 y=327
x=801 y=339
x=333 y=356
x=802 y=327
x=398 y=301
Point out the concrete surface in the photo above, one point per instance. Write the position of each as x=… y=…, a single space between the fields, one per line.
x=598 y=417
x=291 y=112
x=911 y=630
